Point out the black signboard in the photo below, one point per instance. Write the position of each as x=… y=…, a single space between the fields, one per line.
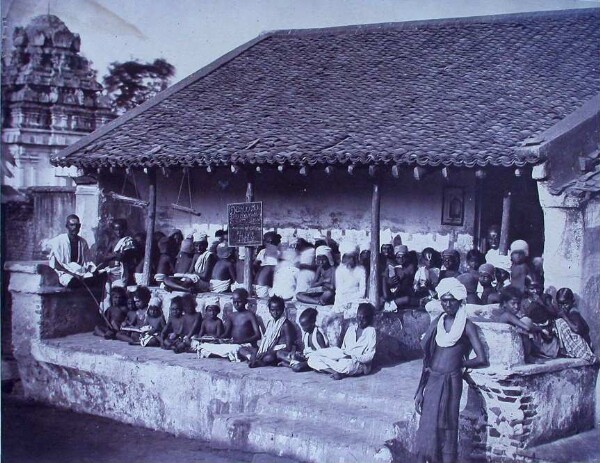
x=245 y=224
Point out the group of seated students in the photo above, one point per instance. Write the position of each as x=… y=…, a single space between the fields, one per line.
x=319 y=273
x=137 y=318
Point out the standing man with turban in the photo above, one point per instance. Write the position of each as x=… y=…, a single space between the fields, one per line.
x=446 y=345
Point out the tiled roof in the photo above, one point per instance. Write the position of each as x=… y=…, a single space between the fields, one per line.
x=465 y=92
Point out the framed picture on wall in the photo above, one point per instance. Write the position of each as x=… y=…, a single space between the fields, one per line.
x=453 y=205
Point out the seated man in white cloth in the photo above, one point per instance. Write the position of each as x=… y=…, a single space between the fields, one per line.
x=223 y=273
x=241 y=330
x=446 y=346
x=278 y=337
x=356 y=355
x=350 y=278
x=70 y=257
x=265 y=264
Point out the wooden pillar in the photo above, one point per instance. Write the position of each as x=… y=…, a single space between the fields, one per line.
x=374 y=280
x=150 y=220
x=477 y=241
x=504 y=231
x=248 y=250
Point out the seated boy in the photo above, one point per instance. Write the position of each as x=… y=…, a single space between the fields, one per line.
x=130 y=330
x=485 y=287
x=114 y=315
x=537 y=341
x=196 y=279
x=155 y=323
x=312 y=339
x=470 y=281
x=397 y=281
x=279 y=337
x=241 y=327
x=356 y=355
x=192 y=321
x=427 y=275
x=265 y=264
x=212 y=326
x=322 y=290
x=224 y=272
x=450 y=264
x=573 y=331
x=173 y=332
x=285 y=276
x=164 y=267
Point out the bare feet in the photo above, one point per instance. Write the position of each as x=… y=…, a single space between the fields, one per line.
x=337 y=376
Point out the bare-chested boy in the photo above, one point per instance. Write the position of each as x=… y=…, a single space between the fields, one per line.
x=312 y=338
x=155 y=323
x=322 y=290
x=115 y=315
x=224 y=272
x=446 y=345
x=279 y=336
x=173 y=332
x=241 y=326
x=192 y=321
x=212 y=326
x=131 y=328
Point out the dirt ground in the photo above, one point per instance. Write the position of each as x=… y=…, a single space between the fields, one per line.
x=33 y=432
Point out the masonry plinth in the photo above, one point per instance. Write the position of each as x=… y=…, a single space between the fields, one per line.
x=509 y=408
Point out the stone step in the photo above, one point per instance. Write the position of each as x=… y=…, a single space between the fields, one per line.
x=302 y=439
x=378 y=424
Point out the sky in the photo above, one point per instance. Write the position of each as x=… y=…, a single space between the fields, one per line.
x=192 y=33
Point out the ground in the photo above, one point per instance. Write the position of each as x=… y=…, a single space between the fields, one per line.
x=33 y=432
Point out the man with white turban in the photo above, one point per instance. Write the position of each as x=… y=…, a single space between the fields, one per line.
x=446 y=345
x=350 y=278
x=322 y=290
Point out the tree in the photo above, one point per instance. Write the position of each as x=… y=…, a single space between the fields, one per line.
x=131 y=83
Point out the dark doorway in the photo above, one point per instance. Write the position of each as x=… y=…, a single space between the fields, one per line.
x=526 y=216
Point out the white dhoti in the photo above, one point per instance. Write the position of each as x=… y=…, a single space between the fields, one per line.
x=219 y=286
x=228 y=351
x=333 y=358
x=261 y=291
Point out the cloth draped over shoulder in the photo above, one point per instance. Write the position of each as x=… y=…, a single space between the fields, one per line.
x=350 y=284
x=572 y=344
x=60 y=255
x=272 y=333
x=312 y=338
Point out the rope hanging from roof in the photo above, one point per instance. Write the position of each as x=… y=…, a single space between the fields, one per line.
x=178 y=207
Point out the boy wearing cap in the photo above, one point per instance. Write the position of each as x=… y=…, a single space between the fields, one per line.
x=322 y=290
x=446 y=345
x=224 y=272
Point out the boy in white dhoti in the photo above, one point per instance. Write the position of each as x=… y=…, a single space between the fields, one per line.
x=356 y=355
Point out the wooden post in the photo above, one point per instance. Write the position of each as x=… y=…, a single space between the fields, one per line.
x=149 y=225
x=478 y=211
x=248 y=250
x=505 y=223
x=374 y=280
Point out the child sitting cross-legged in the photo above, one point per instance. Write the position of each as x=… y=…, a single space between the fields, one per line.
x=155 y=322
x=240 y=335
x=192 y=321
x=130 y=330
x=114 y=315
x=312 y=338
x=278 y=337
x=173 y=333
x=357 y=352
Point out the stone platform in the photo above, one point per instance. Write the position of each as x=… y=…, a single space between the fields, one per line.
x=307 y=416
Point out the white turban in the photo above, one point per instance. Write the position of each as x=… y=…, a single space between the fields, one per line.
x=519 y=245
x=325 y=251
x=500 y=261
x=155 y=302
x=451 y=285
x=348 y=247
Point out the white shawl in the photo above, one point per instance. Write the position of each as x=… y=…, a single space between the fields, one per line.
x=445 y=338
x=271 y=335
